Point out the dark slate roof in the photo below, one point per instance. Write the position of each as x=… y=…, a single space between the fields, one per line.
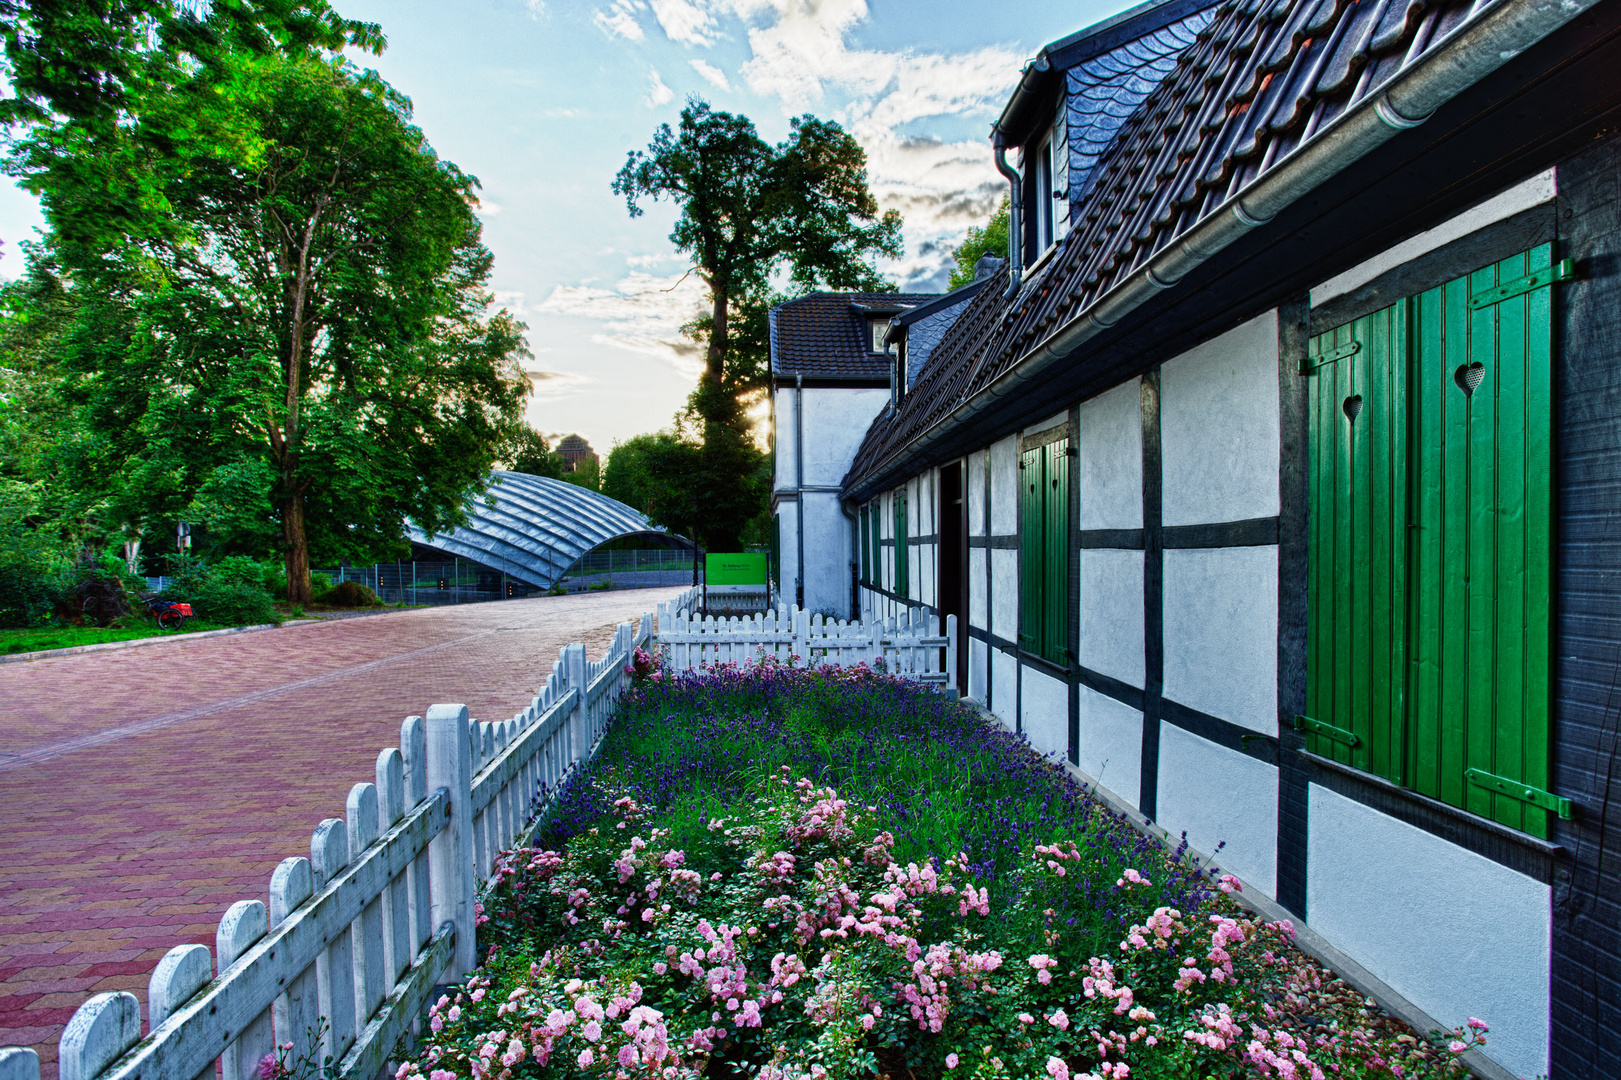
x=926 y=324
x=1261 y=78
x=826 y=335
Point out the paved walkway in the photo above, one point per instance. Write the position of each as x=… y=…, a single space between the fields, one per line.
x=143 y=791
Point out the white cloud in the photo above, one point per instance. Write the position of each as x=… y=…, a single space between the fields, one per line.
x=643 y=313
x=649 y=260
x=561 y=114
x=485 y=208
x=715 y=76
x=657 y=93
x=537 y=9
x=550 y=385
x=685 y=21
x=620 y=20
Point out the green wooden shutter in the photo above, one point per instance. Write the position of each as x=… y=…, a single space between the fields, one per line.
x=1481 y=565
x=1356 y=555
x=875 y=520
x=1055 y=555
x=1429 y=544
x=1032 y=550
x=903 y=580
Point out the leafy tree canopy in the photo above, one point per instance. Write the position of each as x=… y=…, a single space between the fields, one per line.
x=531 y=452
x=749 y=209
x=280 y=317
x=990 y=240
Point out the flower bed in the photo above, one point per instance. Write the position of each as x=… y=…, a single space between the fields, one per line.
x=783 y=874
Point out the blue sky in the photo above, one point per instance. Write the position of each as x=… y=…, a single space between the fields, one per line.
x=542 y=101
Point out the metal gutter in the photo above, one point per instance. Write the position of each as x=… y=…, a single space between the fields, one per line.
x=1478 y=47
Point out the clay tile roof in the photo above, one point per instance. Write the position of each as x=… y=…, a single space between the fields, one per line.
x=1260 y=78
x=827 y=336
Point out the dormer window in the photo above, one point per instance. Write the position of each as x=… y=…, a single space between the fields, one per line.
x=1046 y=184
x=879 y=327
x=1039 y=176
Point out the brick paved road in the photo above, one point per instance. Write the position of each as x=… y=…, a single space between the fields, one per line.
x=143 y=791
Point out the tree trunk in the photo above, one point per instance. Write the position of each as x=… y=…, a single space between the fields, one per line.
x=297 y=548
x=715 y=362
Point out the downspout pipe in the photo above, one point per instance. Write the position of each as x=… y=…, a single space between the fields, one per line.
x=799 y=481
x=1475 y=49
x=1015 y=233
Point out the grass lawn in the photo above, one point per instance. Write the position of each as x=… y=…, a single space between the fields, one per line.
x=63 y=637
x=780 y=874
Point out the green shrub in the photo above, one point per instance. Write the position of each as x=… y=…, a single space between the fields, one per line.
x=230 y=604
x=320 y=585
x=351 y=594
x=245 y=570
x=28 y=590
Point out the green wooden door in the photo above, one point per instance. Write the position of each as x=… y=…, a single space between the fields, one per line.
x=903 y=583
x=1429 y=543
x=1044 y=551
x=1032 y=550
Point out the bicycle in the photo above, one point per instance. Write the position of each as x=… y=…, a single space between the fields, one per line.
x=171 y=614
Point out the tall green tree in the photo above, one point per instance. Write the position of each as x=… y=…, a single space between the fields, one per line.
x=305 y=293
x=749 y=209
x=531 y=452
x=992 y=239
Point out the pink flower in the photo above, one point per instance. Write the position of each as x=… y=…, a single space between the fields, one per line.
x=1456 y=1046
x=1057 y=1069
x=1026 y=1018
x=441 y=1074
x=586 y=1057
x=1059 y=1020
x=1478 y=1025
x=592 y=1031
x=951 y=1061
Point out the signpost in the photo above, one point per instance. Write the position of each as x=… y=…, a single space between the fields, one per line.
x=735 y=583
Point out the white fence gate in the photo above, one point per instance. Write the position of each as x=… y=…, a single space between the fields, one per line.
x=916 y=648
x=356 y=936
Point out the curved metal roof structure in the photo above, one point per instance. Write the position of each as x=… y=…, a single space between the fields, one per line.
x=537 y=528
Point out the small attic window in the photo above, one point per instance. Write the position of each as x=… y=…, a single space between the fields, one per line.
x=879 y=328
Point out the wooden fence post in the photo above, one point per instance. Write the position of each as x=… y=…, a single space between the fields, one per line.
x=297 y=1011
x=99 y=1033
x=372 y=981
x=334 y=968
x=451 y=879
x=245 y=923
x=951 y=656
x=579 y=723
x=18 y=1063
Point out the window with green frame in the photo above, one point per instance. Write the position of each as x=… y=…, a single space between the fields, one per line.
x=903 y=578
x=1429 y=543
x=1044 y=547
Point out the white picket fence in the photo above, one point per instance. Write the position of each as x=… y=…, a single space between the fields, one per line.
x=355 y=937
x=915 y=648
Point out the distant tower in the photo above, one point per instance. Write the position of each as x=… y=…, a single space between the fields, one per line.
x=574 y=450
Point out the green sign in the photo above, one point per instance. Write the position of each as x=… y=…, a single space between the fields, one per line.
x=735 y=570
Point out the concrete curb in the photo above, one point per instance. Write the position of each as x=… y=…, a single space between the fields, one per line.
x=155 y=639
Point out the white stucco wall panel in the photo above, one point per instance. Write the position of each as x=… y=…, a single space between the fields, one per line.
x=1111 y=744
x=1219 y=427
x=1219 y=795
x=835 y=423
x=1112 y=613
x=974 y=492
x=1454 y=932
x=1045 y=708
x=1005 y=487
x=1005 y=593
x=976 y=670
x=1221 y=633
x=976 y=587
x=1004 y=688
x=827 y=555
x=1111 y=459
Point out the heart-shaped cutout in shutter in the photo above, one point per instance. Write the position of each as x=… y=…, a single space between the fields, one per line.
x=1469 y=376
x=1352 y=406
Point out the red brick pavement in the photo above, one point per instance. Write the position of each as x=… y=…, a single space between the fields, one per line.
x=219 y=757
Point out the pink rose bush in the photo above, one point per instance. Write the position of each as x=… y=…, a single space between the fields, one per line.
x=784 y=872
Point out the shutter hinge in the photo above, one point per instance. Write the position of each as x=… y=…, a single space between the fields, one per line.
x=1312 y=363
x=1327 y=731
x=1563 y=270
x=1523 y=792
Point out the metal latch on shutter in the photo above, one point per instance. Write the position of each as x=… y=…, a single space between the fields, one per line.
x=1327 y=731
x=1563 y=270
x=1312 y=363
x=1523 y=792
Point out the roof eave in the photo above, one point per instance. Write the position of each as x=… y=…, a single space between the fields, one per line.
x=1477 y=47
